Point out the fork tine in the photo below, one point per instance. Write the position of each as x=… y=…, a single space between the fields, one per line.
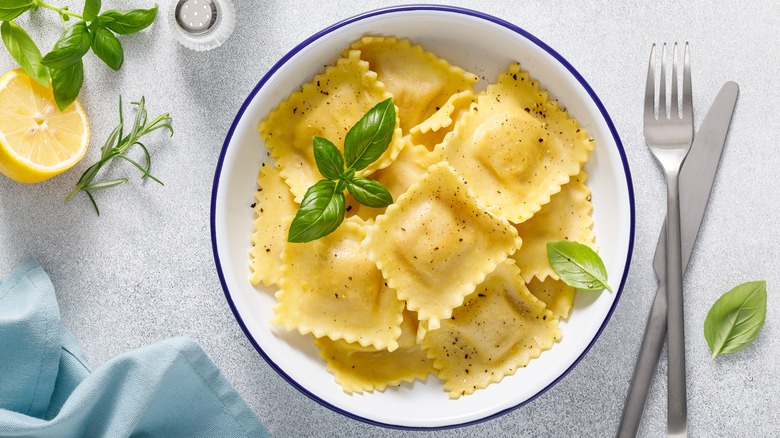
x=650 y=87
x=687 y=102
x=662 y=89
x=675 y=103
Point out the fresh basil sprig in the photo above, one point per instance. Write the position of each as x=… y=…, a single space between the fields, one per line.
x=63 y=64
x=323 y=207
x=735 y=319
x=577 y=265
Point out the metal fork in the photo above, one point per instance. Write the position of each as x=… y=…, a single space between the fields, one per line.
x=669 y=137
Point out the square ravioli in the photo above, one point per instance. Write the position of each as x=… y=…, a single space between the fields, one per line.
x=556 y=295
x=411 y=164
x=328 y=287
x=499 y=329
x=566 y=217
x=360 y=369
x=516 y=147
x=432 y=131
x=419 y=81
x=436 y=243
x=328 y=106
x=273 y=209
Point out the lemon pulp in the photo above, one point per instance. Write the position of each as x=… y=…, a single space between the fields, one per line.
x=37 y=140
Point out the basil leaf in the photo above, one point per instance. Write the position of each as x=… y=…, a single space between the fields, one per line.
x=66 y=84
x=735 y=319
x=70 y=48
x=328 y=158
x=108 y=48
x=126 y=22
x=577 y=265
x=370 y=136
x=24 y=51
x=7 y=13
x=91 y=10
x=321 y=212
x=10 y=9
x=369 y=192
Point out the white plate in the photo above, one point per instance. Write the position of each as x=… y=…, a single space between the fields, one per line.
x=486 y=46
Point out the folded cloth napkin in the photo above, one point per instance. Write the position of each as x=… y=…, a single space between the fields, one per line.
x=169 y=389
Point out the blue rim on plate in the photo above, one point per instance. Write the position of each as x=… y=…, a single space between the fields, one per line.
x=420 y=7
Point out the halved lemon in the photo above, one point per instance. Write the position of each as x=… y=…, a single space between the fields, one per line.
x=37 y=140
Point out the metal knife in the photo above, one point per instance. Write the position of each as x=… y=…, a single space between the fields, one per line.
x=696 y=177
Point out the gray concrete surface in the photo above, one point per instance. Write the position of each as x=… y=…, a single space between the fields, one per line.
x=143 y=271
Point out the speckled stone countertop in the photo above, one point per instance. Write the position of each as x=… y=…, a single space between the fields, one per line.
x=143 y=271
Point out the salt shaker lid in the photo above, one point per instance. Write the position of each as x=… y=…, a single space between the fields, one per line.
x=201 y=24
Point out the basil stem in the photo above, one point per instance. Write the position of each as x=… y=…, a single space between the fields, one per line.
x=64 y=12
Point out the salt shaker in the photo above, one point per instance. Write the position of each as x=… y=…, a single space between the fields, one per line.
x=201 y=24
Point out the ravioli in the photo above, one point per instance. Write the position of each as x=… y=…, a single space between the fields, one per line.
x=515 y=148
x=328 y=106
x=432 y=131
x=452 y=278
x=499 y=329
x=361 y=369
x=407 y=169
x=273 y=209
x=419 y=81
x=436 y=243
x=329 y=288
x=556 y=295
x=566 y=217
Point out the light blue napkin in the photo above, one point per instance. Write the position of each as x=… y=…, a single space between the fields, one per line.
x=169 y=389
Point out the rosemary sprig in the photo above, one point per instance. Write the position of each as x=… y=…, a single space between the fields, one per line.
x=116 y=147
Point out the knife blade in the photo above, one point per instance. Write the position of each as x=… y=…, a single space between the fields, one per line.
x=696 y=177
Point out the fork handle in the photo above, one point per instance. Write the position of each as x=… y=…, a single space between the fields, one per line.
x=677 y=413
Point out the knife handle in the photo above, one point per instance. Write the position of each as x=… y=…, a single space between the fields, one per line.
x=646 y=364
